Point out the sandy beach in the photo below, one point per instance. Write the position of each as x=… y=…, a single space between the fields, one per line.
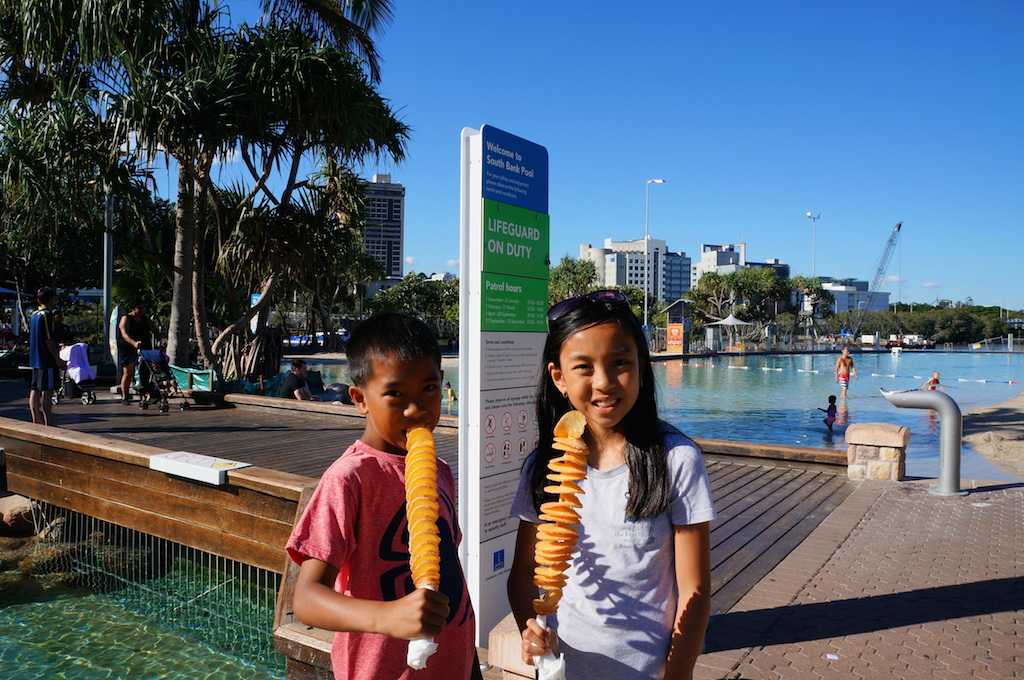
x=997 y=432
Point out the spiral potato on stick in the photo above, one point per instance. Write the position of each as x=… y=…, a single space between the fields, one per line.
x=421 y=515
x=557 y=536
x=421 y=508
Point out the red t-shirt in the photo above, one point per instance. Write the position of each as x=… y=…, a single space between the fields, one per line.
x=355 y=521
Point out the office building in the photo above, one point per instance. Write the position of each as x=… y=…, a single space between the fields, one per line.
x=622 y=263
x=385 y=224
x=851 y=294
x=731 y=258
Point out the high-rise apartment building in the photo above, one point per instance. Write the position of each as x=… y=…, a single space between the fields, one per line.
x=385 y=223
x=622 y=263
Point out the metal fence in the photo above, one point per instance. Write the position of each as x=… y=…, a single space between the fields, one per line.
x=226 y=604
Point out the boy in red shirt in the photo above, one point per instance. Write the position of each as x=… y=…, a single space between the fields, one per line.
x=352 y=541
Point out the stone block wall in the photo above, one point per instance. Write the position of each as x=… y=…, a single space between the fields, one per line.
x=877 y=451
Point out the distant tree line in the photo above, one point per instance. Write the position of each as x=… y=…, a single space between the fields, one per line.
x=758 y=296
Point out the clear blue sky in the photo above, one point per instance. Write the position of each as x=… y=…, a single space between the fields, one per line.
x=754 y=113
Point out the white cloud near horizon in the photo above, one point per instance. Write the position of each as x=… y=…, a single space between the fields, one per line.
x=931 y=284
x=410 y=260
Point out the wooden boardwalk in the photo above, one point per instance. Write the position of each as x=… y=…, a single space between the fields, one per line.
x=764 y=510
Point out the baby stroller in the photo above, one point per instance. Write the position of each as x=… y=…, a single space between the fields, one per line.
x=79 y=378
x=159 y=383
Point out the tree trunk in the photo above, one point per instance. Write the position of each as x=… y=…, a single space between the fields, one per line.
x=199 y=319
x=326 y=323
x=181 y=287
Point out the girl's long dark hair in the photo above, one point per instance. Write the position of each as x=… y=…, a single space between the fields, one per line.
x=646 y=454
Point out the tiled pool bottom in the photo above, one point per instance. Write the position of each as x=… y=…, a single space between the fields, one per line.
x=93 y=637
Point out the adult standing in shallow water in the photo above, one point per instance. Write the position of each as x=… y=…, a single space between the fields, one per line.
x=844 y=369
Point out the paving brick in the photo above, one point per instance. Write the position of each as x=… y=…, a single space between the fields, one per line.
x=898 y=583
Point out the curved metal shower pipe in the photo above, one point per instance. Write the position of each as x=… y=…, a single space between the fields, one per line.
x=951 y=429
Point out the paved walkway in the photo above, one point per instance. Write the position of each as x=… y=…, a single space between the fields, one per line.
x=896 y=583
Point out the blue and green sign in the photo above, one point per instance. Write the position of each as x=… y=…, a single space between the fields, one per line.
x=515 y=240
x=516 y=233
x=515 y=170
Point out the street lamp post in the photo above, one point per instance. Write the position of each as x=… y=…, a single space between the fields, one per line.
x=647 y=247
x=814 y=238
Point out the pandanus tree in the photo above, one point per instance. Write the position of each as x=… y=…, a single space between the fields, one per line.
x=281 y=101
x=172 y=79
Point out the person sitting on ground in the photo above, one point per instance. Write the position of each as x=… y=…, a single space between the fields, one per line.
x=295 y=385
x=354 y=574
x=933 y=383
x=830 y=412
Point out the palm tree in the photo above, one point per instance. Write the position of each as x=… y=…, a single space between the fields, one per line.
x=273 y=94
x=347 y=24
x=171 y=78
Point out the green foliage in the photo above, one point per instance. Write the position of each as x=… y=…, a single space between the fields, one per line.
x=754 y=294
x=958 y=326
x=810 y=289
x=571 y=278
x=420 y=297
x=95 y=91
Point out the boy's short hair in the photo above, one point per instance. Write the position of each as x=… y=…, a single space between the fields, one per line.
x=45 y=295
x=297 y=364
x=388 y=335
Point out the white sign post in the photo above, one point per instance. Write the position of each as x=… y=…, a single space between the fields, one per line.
x=503 y=301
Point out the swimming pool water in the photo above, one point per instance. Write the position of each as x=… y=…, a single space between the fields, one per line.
x=94 y=638
x=774 y=398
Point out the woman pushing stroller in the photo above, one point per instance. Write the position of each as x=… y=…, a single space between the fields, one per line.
x=135 y=331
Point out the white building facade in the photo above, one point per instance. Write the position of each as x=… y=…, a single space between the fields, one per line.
x=623 y=263
x=851 y=294
x=730 y=258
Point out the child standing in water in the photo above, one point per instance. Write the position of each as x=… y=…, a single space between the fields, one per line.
x=638 y=596
x=933 y=383
x=830 y=412
x=450 y=393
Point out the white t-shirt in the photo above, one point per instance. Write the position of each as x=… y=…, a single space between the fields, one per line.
x=615 y=618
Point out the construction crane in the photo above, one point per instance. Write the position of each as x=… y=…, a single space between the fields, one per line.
x=858 y=315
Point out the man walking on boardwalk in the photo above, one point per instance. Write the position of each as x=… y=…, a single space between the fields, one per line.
x=844 y=368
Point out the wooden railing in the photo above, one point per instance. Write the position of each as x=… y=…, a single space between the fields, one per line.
x=248 y=519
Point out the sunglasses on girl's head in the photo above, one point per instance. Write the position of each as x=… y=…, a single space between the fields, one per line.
x=572 y=304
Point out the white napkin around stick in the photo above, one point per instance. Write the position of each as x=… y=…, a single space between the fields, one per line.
x=549 y=667
x=420 y=649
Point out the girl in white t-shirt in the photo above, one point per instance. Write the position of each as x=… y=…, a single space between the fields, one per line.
x=638 y=596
